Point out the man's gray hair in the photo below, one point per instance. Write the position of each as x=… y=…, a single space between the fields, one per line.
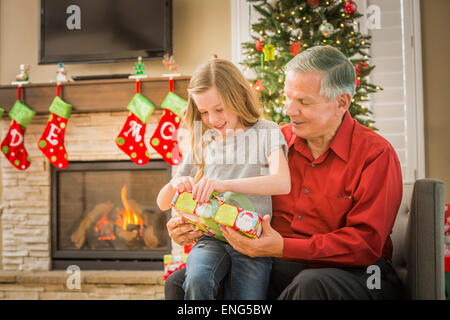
x=339 y=73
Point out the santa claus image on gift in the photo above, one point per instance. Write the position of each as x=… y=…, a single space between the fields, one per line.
x=246 y=221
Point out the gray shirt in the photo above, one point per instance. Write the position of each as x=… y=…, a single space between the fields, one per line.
x=243 y=156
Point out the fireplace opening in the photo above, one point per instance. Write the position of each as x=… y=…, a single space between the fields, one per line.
x=105 y=216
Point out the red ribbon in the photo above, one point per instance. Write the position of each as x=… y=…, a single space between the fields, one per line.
x=171 y=84
x=19 y=93
x=138 y=86
x=58 y=90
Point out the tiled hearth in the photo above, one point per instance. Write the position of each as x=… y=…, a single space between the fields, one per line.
x=25 y=217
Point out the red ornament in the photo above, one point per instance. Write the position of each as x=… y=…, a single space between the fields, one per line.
x=359 y=67
x=313 y=2
x=258 y=86
x=295 y=48
x=350 y=7
x=259 y=45
x=357 y=81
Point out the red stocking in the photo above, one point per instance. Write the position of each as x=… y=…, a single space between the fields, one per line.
x=131 y=138
x=13 y=145
x=164 y=140
x=51 y=142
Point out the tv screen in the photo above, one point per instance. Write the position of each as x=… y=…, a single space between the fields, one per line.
x=79 y=31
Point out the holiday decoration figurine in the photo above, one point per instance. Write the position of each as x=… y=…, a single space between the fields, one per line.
x=51 y=142
x=164 y=139
x=13 y=146
x=169 y=63
x=61 y=75
x=139 y=74
x=131 y=138
x=209 y=216
x=139 y=67
x=23 y=75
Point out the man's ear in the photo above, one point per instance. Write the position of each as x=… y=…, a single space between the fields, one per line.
x=344 y=101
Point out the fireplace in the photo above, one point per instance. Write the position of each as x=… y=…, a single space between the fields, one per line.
x=104 y=215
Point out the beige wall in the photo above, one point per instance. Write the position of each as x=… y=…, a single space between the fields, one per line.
x=201 y=28
x=436 y=79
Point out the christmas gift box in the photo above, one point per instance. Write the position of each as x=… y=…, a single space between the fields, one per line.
x=209 y=216
x=173 y=263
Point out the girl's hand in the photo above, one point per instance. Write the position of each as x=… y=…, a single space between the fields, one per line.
x=185 y=183
x=202 y=190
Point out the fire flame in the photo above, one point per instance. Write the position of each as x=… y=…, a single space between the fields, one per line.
x=128 y=215
x=105 y=234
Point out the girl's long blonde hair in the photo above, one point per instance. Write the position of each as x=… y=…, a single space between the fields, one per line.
x=237 y=97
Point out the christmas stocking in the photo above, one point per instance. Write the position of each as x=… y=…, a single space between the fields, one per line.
x=131 y=139
x=13 y=144
x=164 y=140
x=51 y=142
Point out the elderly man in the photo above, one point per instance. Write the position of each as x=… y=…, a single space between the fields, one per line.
x=346 y=191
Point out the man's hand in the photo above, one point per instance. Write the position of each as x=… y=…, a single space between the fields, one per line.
x=181 y=232
x=269 y=244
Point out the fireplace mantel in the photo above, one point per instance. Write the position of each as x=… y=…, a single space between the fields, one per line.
x=92 y=95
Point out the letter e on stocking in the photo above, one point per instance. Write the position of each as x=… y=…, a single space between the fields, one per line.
x=52 y=134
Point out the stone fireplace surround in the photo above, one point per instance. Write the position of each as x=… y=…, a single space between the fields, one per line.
x=25 y=216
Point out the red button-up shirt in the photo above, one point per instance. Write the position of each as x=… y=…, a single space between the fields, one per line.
x=342 y=205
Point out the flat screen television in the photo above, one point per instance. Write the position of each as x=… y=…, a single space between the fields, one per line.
x=87 y=31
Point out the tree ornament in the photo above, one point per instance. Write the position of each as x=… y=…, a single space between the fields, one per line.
x=269 y=52
x=313 y=2
x=350 y=7
x=258 y=85
x=51 y=142
x=13 y=146
x=360 y=67
x=295 y=48
x=326 y=28
x=259 y=45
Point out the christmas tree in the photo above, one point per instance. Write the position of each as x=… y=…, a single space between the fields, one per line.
x=285 y=28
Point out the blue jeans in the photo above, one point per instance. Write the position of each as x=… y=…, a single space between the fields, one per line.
x=211 y=261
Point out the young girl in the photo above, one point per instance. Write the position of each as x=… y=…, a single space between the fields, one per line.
x=233 y=151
